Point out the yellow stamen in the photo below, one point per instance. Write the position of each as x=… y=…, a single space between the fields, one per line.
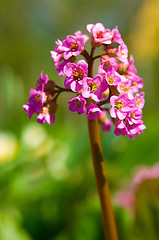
x=111 y=79
x=118 y=105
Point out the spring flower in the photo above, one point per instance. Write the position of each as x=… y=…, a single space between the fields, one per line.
x=66 y=50
x=80 y=36
x=42 y=81
x=124 y=86
x=110 y=95
x=121 y=106
x=108 y=65
x=136 y=83
x=134 y=116
x=36 y=101
x=93 y=111
x=112 y=78
x=122 y=53
x=116 y=36
x=120 y=128
x=77 y=104
x=99 y=33
x=139 y=100
x=131 y=68
x=75 y=73
x=136 y=129
x=47 y=113
x=93 y=87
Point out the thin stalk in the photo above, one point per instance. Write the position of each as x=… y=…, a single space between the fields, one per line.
x=99 y=169
x=101 y=180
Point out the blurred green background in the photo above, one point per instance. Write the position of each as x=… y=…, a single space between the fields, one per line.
x=47 y=185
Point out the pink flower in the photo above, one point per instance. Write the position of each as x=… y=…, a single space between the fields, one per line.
x=80 y=36
x=136 y=83
x=135 y=129
x=124 y=86
x=99 y=33
x=139 y=100
x=113 y=78
x=59 y=62
x=116 y=37
x=66 y=50
x=36 y=101
x=93 y=112
x=75 y=73
x=72 y=46
x=93 y=87
x=47 y=113
x=131 y=68
x=77 y=104
x=120 y=106
x=108 y=65
x=122 y=53
x=42 y=81
x=120 y=128
x=134 y=116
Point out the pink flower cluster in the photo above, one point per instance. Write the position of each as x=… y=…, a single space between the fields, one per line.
x=126 y=197
x=40 y=101
x=111 y=95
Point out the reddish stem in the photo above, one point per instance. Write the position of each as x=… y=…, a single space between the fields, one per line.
x=101 y=180
x=99 y=169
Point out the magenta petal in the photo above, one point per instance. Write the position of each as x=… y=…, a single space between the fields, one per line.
x=86 y=93
x=26 y=107
x=113 y=99
x=68 y=69
x=75 y=86
x=41 y=118
x=113 y=113
x=89 y=27
x=68 y=82
x=50 y=118
x=82 y=64
x=121 y=115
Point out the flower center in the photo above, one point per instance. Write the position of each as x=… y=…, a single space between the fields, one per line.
x=111 y=79
x=78 y=75
x=44 y=110
x=99 y=34
x=37 y=98
x=133 y=115
x=78 y=103
x=124 y=88
x=134 y=83
x=138 y=101
x=118 y=105
x=107 y=64
x=92 y=86
x=74 y=46
x=122 y=53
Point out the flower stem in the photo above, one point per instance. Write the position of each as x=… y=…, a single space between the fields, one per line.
x=101 y=180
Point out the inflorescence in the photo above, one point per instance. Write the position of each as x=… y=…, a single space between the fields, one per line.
x=111 y=96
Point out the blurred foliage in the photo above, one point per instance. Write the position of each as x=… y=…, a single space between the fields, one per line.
x=47 y=185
